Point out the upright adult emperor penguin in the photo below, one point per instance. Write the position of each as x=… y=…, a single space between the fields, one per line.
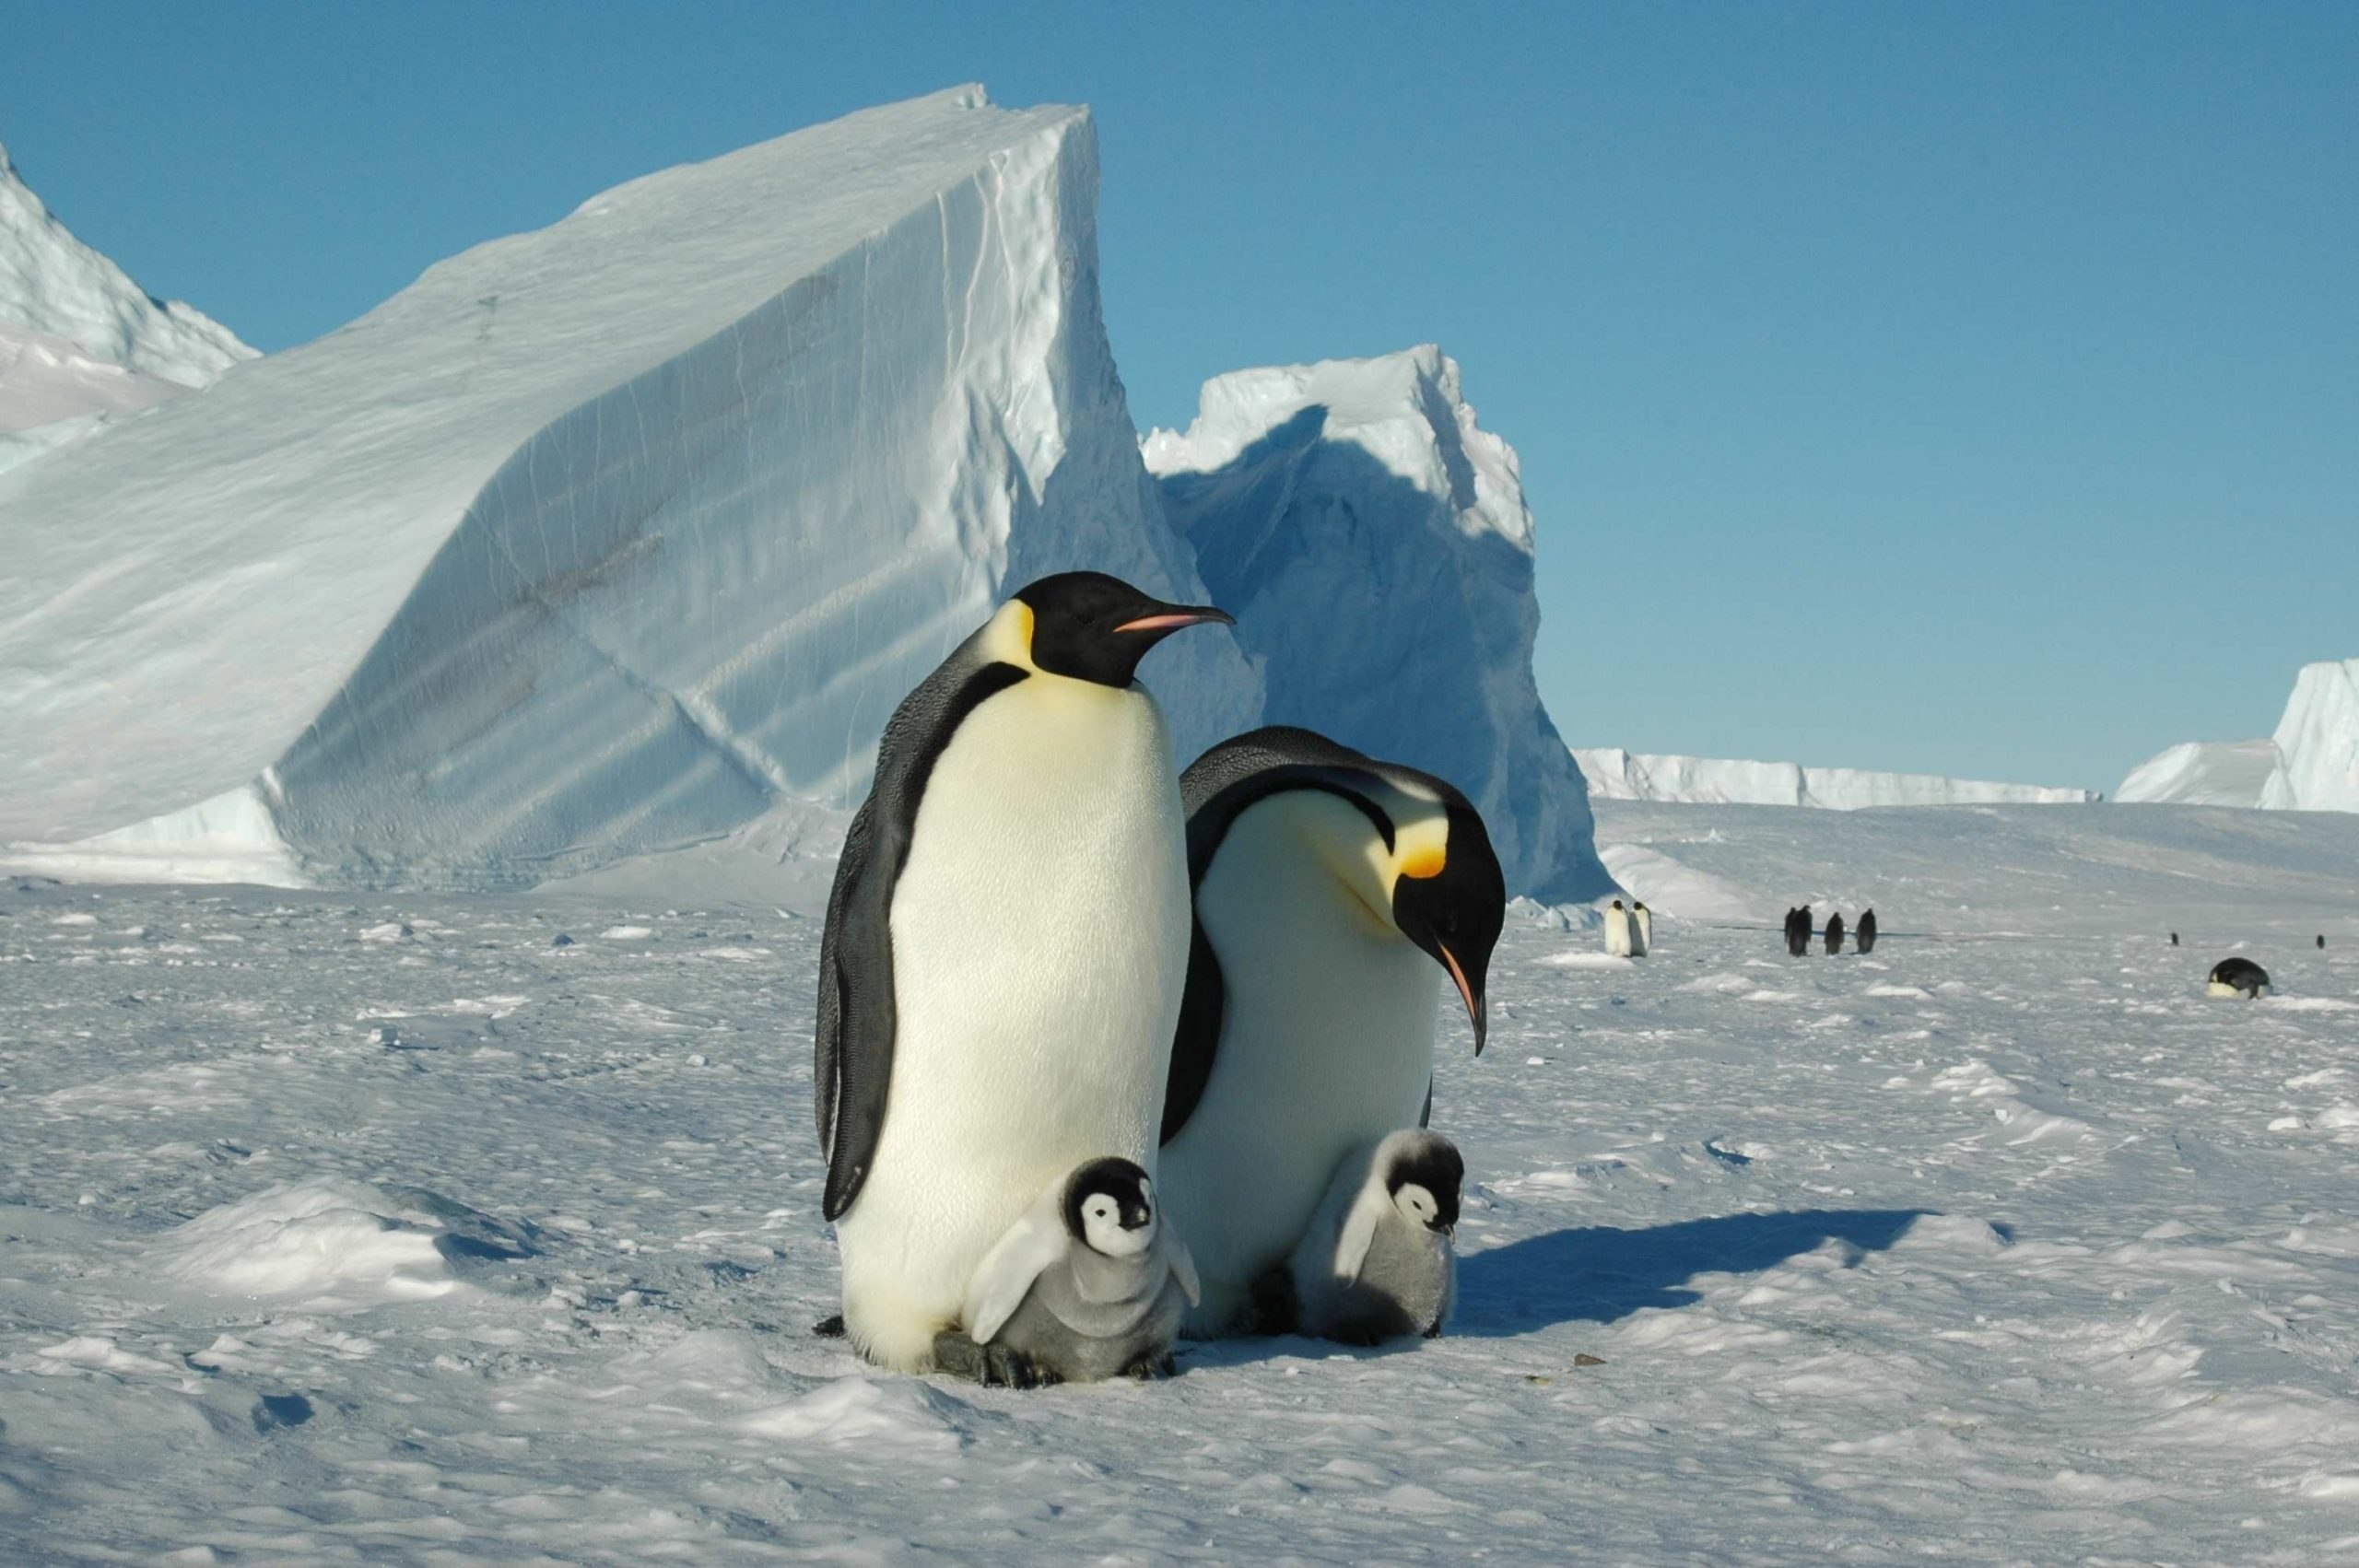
x=1006 y=948
x=1642 y=929
x=1332 y=892
x=1618 y=930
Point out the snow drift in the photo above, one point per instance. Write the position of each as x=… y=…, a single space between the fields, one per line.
x=80 y=343
x=2311 y=765
x=1616 y=775
x=605 y=538
x=1375 y=547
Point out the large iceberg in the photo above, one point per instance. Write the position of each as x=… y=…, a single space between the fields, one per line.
x=598 y=540
x=2311 y=765
x=1374 y=545
x=81 y=344
x=1616 y=775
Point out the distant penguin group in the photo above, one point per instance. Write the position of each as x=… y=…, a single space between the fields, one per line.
x=1629 y=933
x=1798 y=931
x=1103 y=1054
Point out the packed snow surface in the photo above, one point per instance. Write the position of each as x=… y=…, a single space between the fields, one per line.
x=1373 y=543
x=2311 y=765
x=392 y=1230
x=608 y=538
x=1614 y=774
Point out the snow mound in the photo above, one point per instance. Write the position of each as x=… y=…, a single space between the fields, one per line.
x=65 y=293
x=1374 y=545
x=334 y=1245
x=1614 y=774
x=1670 y=888
x=608 y=538
x=2311 y=765
x=900 y=1414
x=2202 y=773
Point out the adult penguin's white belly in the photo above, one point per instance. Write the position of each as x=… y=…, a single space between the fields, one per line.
x=1327 y=1043
x=1039 y=945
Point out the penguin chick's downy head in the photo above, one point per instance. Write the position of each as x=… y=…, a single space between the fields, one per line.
x=1424 y=1176
x=1094 y=627
x=1110 y=1208
x=1450 y=898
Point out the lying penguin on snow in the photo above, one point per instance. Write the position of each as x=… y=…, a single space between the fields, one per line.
x=1376 y=1263
x=2237 y=976
x=1088 y=1284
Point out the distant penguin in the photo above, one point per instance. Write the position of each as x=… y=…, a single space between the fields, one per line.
x=1339 y=900
x=1834 y=933
x=1376 y=1263
x=1642 y=930
x=1865 y=938
x=1005 y=949
x=1617 y=930
x=1088 y=1284
x=2174 y=939
x=2237 y=976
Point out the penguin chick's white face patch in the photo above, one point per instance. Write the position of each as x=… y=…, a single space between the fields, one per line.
x=1416 y=1203
x=1101 y=1228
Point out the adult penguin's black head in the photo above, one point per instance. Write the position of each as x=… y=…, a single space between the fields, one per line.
x=1095 y=627
x=1453 y=906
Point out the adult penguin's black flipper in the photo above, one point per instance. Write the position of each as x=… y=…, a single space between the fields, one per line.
x=852 y=1070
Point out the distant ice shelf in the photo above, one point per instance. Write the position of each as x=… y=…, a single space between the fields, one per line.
x=1616 y=775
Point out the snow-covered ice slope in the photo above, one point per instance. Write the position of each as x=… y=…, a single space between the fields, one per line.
x=607 y=537
x=80 y=344
x=2202 y=773
x=341 y=1229
x=2311 y=765
x=1374 y=545
x=1614 y=774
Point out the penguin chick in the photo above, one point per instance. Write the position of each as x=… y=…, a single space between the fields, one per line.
x=1088 y=1284
x=1376 y=1263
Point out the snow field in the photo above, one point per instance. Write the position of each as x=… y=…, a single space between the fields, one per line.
x=471 y=1247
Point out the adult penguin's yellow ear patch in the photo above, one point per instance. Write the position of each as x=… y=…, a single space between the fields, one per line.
x=1422 y=864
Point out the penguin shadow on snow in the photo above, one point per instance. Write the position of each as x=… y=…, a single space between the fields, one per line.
x=1603 y=1273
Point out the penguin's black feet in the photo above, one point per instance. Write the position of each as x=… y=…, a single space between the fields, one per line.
x=830 y=1328
x=1147 y=1369
x=994 y=1366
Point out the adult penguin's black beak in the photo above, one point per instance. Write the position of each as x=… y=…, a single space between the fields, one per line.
x=1471 y=993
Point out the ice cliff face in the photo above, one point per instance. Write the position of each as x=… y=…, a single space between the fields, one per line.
x=80 y=344
x=1374 y=545
x=1616 y=775
x=2317 y=742
x=2311 y=765
x=604 y=538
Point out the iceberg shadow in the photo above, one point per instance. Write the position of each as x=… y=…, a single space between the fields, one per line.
x=1603 y=1273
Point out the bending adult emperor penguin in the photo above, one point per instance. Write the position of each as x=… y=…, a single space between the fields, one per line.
x=1004 y=953
x=1334 y=893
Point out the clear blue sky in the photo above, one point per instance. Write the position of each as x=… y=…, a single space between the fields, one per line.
x=1971 y=388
